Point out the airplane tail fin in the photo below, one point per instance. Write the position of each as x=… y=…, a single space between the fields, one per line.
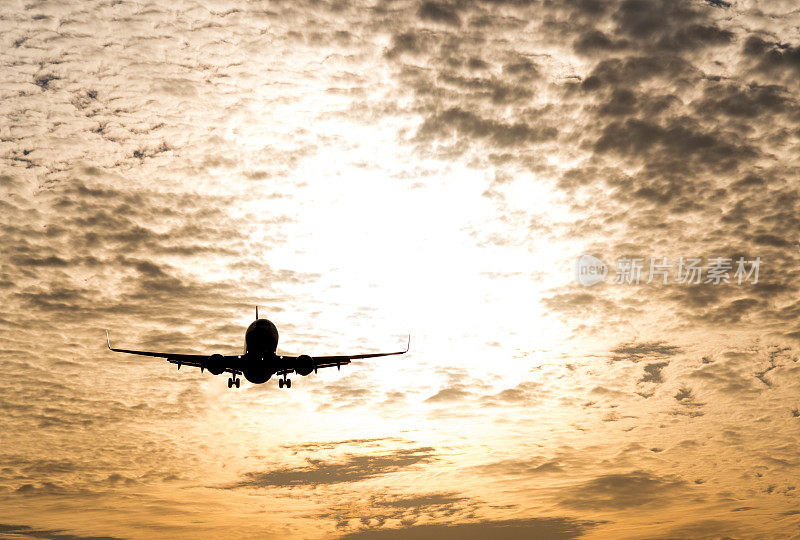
x=256 y=312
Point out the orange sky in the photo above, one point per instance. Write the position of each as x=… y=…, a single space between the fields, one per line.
x=365 y=170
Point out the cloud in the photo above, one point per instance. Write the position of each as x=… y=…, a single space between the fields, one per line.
x=421 y=501
x=580 y=303
x=471 y=126
x=646 y=140
x=54 y=534
x=652 y=372
x=406 y=509
x=705 y=528
x=686 y=397
x=453 y=393
x=622 y=491
x=332 y=445
x=727 y=378
x=636 y=352
x=524 y=393
x=770 y=55
x=162 y=174
x=544 y=528
x=434 y=11
x=523 y=467
x=354 y=468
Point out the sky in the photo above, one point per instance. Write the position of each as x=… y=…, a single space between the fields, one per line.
x=366 y=170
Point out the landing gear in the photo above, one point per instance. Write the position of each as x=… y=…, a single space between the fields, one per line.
x=284 y=382
x=234 y=382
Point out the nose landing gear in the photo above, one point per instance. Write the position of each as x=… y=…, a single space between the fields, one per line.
x=284 y=382
x=234 y=382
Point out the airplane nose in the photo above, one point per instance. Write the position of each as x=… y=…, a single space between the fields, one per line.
x=258 y=340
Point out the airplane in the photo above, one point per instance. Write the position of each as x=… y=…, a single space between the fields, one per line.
x=259 y=360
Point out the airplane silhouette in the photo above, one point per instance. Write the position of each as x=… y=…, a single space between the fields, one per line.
x=259 y=361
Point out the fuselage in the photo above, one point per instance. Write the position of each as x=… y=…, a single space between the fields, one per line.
x=259 y=358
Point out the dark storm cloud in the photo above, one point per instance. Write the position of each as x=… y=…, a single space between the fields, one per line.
x=639 y=25
x=434 y=11
x=469 y=125
x=354 y=468
x=667 y=25
x=635 y=70
x=594 y=41
x=485 y=89
x=410 y=42
x=623 y=490
x=512 y=529
x=752 y=100
x=644 y=140
x=771 y=55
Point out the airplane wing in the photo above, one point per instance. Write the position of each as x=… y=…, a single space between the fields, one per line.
x=194 y=360
x=338 y=361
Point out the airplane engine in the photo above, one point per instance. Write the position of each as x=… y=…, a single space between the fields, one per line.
x=215 y=364
x=305 y=365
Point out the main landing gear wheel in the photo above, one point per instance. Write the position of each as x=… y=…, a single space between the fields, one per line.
x=230 y=382
x=237 y=382
x=288 y=383
x=280 y=383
